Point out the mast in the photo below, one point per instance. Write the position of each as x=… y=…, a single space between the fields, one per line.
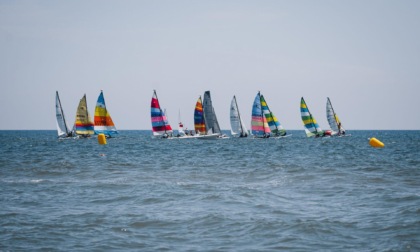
x=62 y=113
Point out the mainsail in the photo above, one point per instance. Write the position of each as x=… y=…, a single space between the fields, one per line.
x=160 y=125
x=259 y=125
x=333 y=120
x=275 y=127
x=62 y=129
x=102 y=119
x=236 y=124
x=212 y=125
x=311 y=126
x=83 y=124
x=199 y=120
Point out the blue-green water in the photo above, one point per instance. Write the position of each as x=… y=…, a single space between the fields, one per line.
x=137 y=193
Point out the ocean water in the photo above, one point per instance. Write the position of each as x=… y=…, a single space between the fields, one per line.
x=143 y=194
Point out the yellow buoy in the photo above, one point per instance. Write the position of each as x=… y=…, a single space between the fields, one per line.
x=101 y=139
x=376 y=143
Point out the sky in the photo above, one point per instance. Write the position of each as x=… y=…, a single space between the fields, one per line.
x=363 y=55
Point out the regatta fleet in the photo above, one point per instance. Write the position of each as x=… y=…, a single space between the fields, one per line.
x=264 y=124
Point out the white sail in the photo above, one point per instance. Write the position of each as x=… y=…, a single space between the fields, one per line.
x=333 y=120
x=237 y=126
x=62 y=129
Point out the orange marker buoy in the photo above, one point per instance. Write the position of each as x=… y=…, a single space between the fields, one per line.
x=376 y=143
x=101 y=139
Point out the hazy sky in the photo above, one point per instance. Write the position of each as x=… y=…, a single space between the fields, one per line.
x=364 y=55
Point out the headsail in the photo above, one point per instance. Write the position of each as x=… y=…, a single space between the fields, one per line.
x=160 y=125
x=333 y=120
x=62 y=129
x=102 y=119
x=236 y=124
x=311 y=126
x=212 y=125
x=275 y=127
x=83 y=124
x=199 y=120
x=259 y=125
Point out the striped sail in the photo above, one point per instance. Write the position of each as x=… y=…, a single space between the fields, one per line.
x=199 y=121
x=102 y=119
x=333 y=120
x=311 y=126
x=212 y=125
x=237 y=127
x=259 y=125
x=62 y=129
x=83 y=124
x=160 y=125
x=275 y=127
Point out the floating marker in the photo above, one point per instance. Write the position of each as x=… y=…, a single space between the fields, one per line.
x=101 y=139
x=376 y=143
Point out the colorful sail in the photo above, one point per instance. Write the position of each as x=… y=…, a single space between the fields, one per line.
x=311 y=126
x=160 y=125
x=275 y=127
x=62 y=129
x=212 y=125
x=333 y=120
x=259 y=125
x=237 y=126
x=199 y=121
x=83 y=124
x=102 y=120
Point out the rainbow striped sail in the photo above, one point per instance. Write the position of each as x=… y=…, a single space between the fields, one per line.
x=275 y=127
x=259 y=125
x=333 y=120
x=160 y=125
x=83 y=124
x=199 y=121
x=102 y=119
x=311 y=126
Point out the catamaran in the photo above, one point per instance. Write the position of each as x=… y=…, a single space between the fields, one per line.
x=83 y=125
x=264 y=124
x=237 y=126
x=160 y=125
x=102 y=119
x=312 y=128
x=205 y=120
x=333 y=120
x=62 y=129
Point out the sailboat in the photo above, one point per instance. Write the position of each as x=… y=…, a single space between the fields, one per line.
x=102 y=120
x=184 y=134
x=333 y=120
x=259 y=125
x=312 y=128
x=237 y=127
x=160 y=125
x=276 y=128
x=264 y=123
x=62 y=129
x=205 y=120
x=83 y=125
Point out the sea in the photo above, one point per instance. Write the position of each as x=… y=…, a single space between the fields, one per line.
x=239 y=194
